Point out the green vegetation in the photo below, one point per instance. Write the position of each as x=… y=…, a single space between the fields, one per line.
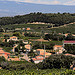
x=38 y=72
x=56 y=61
x=65 y=29
x=57 y=19
x=70 y=48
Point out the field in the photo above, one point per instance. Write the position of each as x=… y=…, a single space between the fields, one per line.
x=38 y=72
x=65 y=29
x=43 y=27
x=34 y=27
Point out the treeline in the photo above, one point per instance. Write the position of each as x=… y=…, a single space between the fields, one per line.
x=57 y=37
x=57 y=19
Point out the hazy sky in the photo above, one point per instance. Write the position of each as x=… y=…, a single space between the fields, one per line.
x=53 y=2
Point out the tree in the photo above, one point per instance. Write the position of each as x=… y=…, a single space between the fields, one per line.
x=17 y=34
x=56 y=61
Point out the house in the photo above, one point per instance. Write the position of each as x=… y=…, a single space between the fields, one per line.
x=13 y=59
x=43 y=52
x=17 y=29
x=25 y=42
x=37 y=59
x=14 y=38
x=67 y=54
x=68 y=42
x=5 y=54
x=28 y=47
x=59 y=49
x=66 y=34
x=28 y=29
x=40 y=51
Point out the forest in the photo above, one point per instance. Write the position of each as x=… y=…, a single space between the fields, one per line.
x=54 y=18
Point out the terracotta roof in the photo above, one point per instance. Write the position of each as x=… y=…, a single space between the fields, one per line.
x=40 y=49
x=14 y=59
x=28 y=29
x=28 y=46
x=45 y=53
x=37 y=58
x=58 y=46
x=68 y=54
x=69 y=41
x=1 y=52
x=13 y=37
x=34 y=59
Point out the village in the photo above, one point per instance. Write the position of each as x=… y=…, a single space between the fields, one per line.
x=23 y=49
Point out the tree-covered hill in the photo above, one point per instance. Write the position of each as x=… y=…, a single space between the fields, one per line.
x=57 y=19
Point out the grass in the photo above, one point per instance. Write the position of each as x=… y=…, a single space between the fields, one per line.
x=50 y=42
x=38 y=72
x=7 y=49
x=34 y=27
x=65 y=29
x=40 y=27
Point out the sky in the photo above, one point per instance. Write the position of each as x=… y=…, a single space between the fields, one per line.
x=50 y=2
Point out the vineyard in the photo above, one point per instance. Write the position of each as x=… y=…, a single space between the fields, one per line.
x=38 y=72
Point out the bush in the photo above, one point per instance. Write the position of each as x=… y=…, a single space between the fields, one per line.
x=56 y=61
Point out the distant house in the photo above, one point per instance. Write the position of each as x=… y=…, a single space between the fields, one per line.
x=18 y=29
x=73 y=35
x=28 y=29
x=58 y=48
x=14 y=38
x=46 y=54
x=40 y=51
x=68 y=42
x=38 y=59
x=43 y=52
x=25 y=42
x=13 y=59
x=67 y=54
x=28 y=47
x=66 y=34
x=5 y=54
x=38 y=23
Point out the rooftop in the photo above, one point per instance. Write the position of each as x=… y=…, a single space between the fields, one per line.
x=69 y=41
x=58 y=46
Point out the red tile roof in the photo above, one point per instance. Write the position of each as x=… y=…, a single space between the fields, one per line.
x=2 y=52
x=37 y=58
x=58 y=46
x=69 y=41
x=34 y=59
x=40 y=49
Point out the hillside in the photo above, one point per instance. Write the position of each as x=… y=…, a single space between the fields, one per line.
x=56 y=19
x=40 y=27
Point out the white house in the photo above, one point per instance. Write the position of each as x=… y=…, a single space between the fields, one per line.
x=14 y=38
x=38 y=59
